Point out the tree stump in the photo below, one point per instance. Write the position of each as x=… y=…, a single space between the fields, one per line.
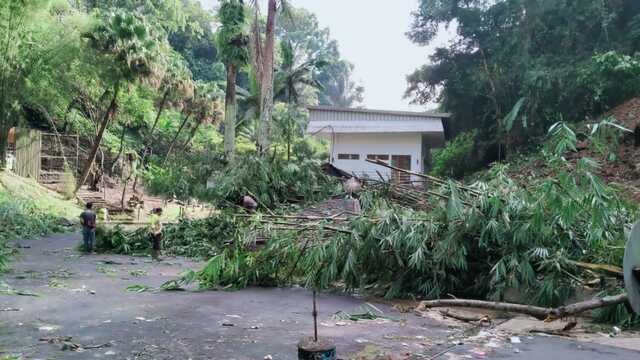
x=308 y=349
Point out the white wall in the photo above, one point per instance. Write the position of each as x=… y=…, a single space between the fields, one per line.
x=378 y=144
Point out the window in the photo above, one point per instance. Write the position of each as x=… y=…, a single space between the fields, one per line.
x=378 y=157
x=348 y=156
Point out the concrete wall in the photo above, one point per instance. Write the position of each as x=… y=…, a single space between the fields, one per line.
x=378 y=144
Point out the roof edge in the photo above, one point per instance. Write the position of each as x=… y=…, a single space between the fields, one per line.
x=381 y=112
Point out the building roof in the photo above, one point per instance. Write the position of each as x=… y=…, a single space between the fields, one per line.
x=380 y=112
x=345 y=120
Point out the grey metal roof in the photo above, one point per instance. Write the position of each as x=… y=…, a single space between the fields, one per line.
x=426 y=114
x=338 y=120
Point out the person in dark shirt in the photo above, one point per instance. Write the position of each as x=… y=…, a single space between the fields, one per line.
x=155 y=229
x=88 y=221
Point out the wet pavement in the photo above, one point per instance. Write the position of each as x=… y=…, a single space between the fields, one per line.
x=83 y=303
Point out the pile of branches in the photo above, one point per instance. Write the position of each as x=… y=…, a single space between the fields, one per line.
x=478 y=241
x=197 y=239
x=414 y=194
x=273 y=182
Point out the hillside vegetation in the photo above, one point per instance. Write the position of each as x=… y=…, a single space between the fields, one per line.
x=29 y=210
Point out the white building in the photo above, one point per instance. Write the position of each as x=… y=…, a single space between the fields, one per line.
x=403 y=139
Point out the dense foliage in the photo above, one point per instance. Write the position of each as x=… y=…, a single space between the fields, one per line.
x=149 y=78
x=199 y=239
x=498 y=238
x=273 y=183
x=543 y=58
x=453 y=159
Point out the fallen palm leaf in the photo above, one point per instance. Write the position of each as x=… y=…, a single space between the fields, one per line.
x=138 y=288
x=366 y=312
x=6 y=289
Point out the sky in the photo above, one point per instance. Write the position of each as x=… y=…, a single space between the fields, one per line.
x=371 y=35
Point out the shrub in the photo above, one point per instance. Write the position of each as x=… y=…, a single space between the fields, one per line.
x=453 y=159
x=183 y=177
x=21 y=219
x=610 y=78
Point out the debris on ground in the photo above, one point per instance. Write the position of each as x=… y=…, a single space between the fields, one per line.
x=139 y=288
x=366 y=312
x=6 y=289
x=547 y=314
x=84 y=289
x=482 y=320
x=138 y=273
x=56 y=339
x=48 y=328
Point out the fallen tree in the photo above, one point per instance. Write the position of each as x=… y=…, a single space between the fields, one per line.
x=538 y=312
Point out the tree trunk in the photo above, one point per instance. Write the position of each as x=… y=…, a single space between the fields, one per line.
x=194 y=130
x=230 y=114
x=108 y=115
x=124 y=192
x=535 y=311
x=4 y=143
x=153 y=129
x=159 y=113
x=121 y=150
x=175 y=138
x=266 y=93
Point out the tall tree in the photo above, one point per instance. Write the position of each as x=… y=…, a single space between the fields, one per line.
x=316 y=57
x=263 y=63
x=295 y=82
x=133 y=46
x=202 y=108
x=233 y=45
x=12 y=22
x=517 y=65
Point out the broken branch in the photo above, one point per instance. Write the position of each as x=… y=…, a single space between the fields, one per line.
x=540 y=313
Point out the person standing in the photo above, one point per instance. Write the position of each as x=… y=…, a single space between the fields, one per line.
x=88 y=221
x=155 y=228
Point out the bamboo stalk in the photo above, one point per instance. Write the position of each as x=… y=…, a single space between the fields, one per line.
x=296 y=226
x=294 y=217
x=461 y=317
x=424 y=176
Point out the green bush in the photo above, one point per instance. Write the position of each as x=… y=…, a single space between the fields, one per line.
x=21 y=219
x=453 y=159
x=611 y=78
x=183 y=177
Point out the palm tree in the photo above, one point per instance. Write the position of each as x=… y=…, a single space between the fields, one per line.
x=233 y=50
x=293 y=79
x=289 y=124
x=178 y=86
x=263 y=61
x=202 y=107
x=131 y=44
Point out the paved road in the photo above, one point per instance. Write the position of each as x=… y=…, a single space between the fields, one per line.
x=84 y=298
